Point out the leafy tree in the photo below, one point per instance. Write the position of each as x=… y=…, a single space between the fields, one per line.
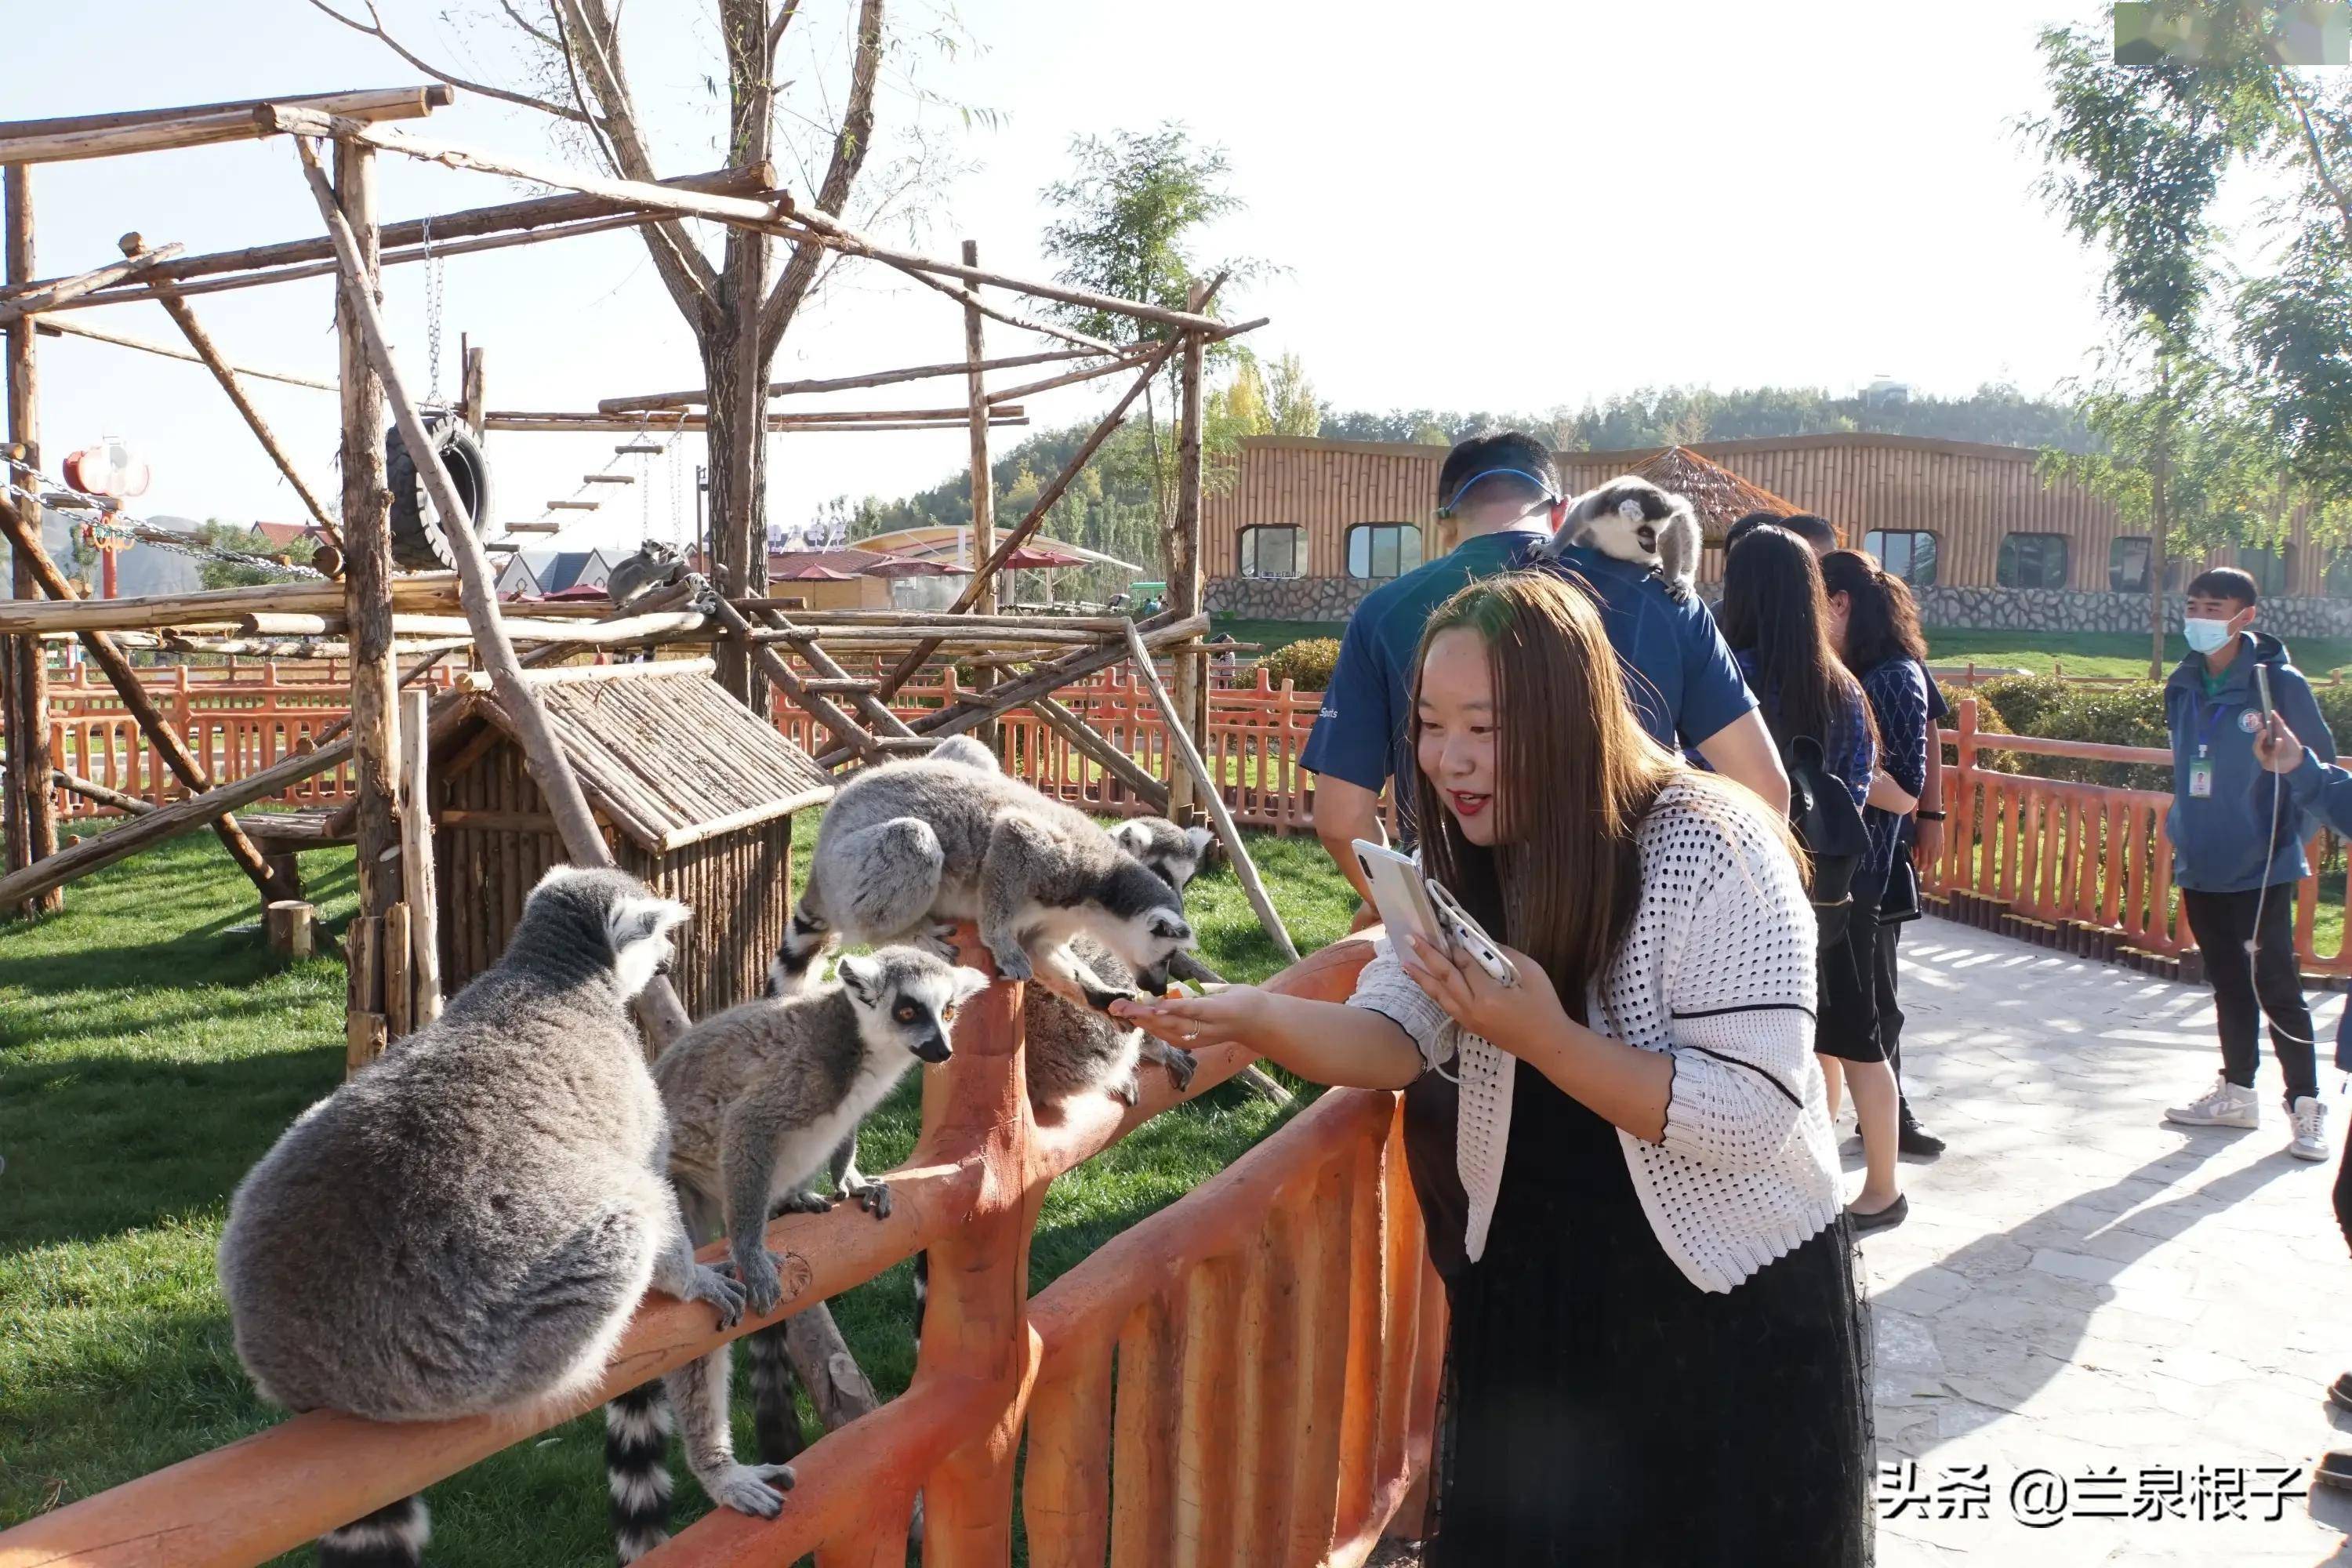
x=214 y=573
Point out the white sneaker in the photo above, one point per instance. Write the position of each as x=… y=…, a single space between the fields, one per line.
x=2310 y=1129
x=2223 y=1105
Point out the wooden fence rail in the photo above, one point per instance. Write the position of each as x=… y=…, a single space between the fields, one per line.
x=2089 y=857
x=1248 y=1377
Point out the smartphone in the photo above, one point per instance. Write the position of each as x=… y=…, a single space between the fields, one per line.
x=1399 y=893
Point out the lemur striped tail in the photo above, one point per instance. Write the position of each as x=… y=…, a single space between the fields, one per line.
x=776 y=1414
x=637 y=1467
x=806 y=940
x=394 y=1536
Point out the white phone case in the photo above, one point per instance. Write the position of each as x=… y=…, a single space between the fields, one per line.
x=1470 y=936
x=1400 y=893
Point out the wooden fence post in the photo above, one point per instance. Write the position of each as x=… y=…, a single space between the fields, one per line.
x=417 y=873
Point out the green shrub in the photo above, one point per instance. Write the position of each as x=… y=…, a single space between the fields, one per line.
x=1305 y=664
x=2130 y=715
x=2023 y=700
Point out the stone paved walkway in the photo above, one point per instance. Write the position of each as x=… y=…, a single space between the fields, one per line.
x=2082 y=1290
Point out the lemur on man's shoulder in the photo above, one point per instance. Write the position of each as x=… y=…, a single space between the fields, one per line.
x=1630 y=518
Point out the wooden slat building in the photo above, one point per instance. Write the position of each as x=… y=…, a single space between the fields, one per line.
x=1969 y=496
x=696 y=797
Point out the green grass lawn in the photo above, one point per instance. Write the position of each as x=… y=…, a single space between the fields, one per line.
x=1273 y=634
x=151 y=1050
x=2102 y=653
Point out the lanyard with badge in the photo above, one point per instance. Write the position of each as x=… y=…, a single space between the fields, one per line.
x=2200 y=771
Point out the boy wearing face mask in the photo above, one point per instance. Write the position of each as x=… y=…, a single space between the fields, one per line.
x=2237 y=852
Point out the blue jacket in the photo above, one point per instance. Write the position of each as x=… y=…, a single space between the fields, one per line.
x=2221 y=842
x=2324 y=790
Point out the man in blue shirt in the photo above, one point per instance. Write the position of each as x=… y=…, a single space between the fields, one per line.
x=1504 y=494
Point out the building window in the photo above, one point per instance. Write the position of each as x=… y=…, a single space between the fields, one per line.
x=2269 y=568
x=2032 y=561
x=1384 y=549
x=1908 y=555
x=2127 y=566
x=2337 y=581
x=1270 y=552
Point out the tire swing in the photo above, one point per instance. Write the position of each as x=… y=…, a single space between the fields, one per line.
x=420 y=541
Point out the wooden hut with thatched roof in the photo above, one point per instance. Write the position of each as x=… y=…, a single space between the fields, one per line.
x=694 y=794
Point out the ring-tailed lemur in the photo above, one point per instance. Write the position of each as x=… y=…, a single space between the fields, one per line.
x=910 y=845
x=760 y=1099
x=467 y=1224
x=655 y=565
x=1632 y=519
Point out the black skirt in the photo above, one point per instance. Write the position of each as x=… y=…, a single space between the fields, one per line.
x=1603 y=1410
x=1848 y=1026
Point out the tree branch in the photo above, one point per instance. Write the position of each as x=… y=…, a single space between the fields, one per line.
x=683 y=270
x=374 y=28
x=2327 y=181
x=776 y=28
x=855 y=140
x=516 y=19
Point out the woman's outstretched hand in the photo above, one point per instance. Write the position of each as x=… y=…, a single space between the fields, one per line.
x=1196 y=1022
x=1523 y=1019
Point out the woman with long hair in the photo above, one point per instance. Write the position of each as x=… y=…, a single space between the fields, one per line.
x=1776 y=617
x=1652 y=1254
x=1876 y=624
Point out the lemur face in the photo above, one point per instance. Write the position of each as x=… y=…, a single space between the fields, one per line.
x=907 y=999
x=1149 y=942
x=1175 y=854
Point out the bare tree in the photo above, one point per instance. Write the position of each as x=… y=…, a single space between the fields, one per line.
x=737 y=313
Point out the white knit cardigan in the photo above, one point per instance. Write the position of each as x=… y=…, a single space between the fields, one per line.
x=1716 y=972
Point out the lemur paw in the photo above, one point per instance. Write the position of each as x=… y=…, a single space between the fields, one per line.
x=804 y=1202
x=874 y=1197
x=746 y=1489
x=1100 y=997
x=714 y=1285
x=1180 y=1063
x=1012 y=963
x=763 y=1287
x=1126 y=1090
x=938 y=941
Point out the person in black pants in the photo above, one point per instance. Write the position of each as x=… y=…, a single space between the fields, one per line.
x=2237 y=852
x=2326 y=791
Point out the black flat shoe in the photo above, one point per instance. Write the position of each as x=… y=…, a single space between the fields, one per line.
x=1914 y=1139
x=2339 y=1392
x=1888 y=1218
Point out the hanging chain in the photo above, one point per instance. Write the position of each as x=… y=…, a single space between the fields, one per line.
x=113 y=527
x=434 y=265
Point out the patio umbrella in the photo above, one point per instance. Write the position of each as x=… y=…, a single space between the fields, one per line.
x=812 y=572
x=914 y=566
x=1033 y=557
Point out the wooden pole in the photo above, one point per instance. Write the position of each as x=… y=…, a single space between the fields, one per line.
x=73 y=329
x=31 y=299
x=367 y=561
x=43 y=574
x=416 y=872
x=1030 y=523
x=677 y=199
x=184 y=315
x=984 y=482
x=1184 y=583
x=507 y=217
x=1180 y=742
x=653 y=401
x=658 y=1006
x=91 y=789
x=474 y=391
x=32 y=831
x=156 y=129
x=1151 y=791
x=425 y=592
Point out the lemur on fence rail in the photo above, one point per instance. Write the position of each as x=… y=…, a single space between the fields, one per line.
x=467 y=1224
x=760 y=1099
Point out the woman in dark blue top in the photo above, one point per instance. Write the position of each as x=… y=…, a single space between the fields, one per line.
x=1876 y=627
x=1776 y=617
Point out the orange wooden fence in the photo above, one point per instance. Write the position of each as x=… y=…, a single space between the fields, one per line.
x=2065 y=853
x=1248 y=1377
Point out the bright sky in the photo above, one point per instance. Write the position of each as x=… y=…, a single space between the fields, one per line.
x=1484 y=205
